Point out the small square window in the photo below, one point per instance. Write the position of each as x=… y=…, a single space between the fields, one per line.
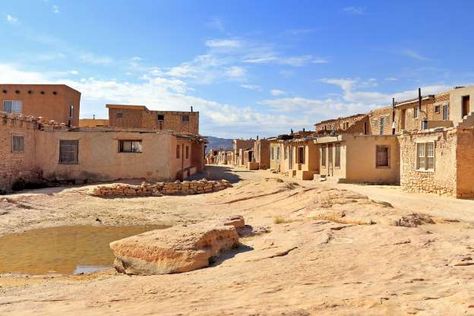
x=178 y=151
x=161 y=117
x=119 y=115
x=185 y=118
x=18 y=144
x=69 y=152
x=437 y=109
x=12 y=106
x=130 y=146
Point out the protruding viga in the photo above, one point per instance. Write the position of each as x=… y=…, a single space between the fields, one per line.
x=173 y=250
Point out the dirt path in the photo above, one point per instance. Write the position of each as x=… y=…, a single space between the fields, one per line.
x=329 y=250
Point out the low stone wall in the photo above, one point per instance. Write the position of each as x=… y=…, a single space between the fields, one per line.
x=160 y=188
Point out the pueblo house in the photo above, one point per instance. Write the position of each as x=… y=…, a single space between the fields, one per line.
x=37 y=149
x=51 y=102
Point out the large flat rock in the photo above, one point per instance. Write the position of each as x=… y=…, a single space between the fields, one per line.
x=173 y=250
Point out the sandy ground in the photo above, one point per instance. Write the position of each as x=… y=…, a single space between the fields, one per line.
x=330 y=249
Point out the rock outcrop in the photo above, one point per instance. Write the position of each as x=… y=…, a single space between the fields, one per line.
x=160 y=188
x=176 y=249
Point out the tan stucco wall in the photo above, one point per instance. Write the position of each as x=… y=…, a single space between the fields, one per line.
x=358 y=156
x=361 y=160
x=51 y=102
x=465 y=163
x=93 y=122
x=455 y=105
x=99 y=158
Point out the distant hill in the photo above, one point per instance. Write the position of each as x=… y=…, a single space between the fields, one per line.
x=218 y=143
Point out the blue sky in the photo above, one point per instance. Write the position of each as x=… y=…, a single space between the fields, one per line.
x=250 y=67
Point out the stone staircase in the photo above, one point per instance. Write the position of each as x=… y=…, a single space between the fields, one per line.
x=468 y=120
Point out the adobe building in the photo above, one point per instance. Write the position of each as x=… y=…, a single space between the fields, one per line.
x=360 y=158
x=354 y=124
x=139 y=116
x=33 y=150
x=57 y=102
x=261 y=152
x=239 y=147
x=439 y=161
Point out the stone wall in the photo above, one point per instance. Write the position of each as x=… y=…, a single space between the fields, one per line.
x=16 y=165
x=441 y=180
x=160 y=188
x=375 y=118
x=349 y=124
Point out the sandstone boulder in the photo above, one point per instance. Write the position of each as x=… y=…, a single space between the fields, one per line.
x=173 y=250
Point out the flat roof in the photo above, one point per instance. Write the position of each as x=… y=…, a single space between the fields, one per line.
x=38 y=85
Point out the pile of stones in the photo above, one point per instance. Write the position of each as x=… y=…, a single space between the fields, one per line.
x=160 y=188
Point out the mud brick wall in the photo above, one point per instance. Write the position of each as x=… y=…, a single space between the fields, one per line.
x=465 y=163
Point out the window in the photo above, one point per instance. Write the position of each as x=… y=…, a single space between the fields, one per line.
x=437 y=109
x=130 y=146
x=68 y=152
x=382 y=125
x=187 y=152
x=161 y=117
x=446 y=112
x=273 y=153
x=323 y=155
x=178 y=152
x=301 y=155
x=466 y=106
x=18 y=144
x=278 y=153
x=185 y=118
x=12 y=106
x=345 y=125
x=71 y=111
x=337 y=162
x=286 y=152
x=119 y=115
x=415 y=112
x=382 y=158
x=425 y=156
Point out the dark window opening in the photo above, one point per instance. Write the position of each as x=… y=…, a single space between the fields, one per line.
x=119 y=115
x=438 y=109
x=161 y=117
x=54 y=92
x=187 y=152
x=17 y=91
x=30 y=92
x=301 y=155
x=178 y=152
x=185 y=118
x=18 y=144
x=69 y=152
x=382 y=156
x=466 y=106
x=42 y=92
x=130 y=146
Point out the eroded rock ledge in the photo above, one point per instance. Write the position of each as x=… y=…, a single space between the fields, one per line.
x=160 y=188
x=176 y=249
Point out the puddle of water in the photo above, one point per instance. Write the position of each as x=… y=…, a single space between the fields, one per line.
x=65 y=250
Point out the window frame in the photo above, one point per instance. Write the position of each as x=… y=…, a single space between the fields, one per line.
x=185 y=118
x=301 y=155
x=446 y=112
x=133 y=150
x=178 y=151
x=13 y=149
x=75 y=142
x=423 y=162
x=379 y=166
x=20 y=102
x=415 y=111
x=186 y=156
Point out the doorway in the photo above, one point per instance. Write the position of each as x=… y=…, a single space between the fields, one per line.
x=466 y=106
x=330 y=160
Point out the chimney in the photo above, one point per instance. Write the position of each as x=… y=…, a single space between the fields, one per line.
x=191 y=109
x=93 y=116
x=304 y=130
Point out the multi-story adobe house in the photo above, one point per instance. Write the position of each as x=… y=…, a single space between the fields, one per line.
x=57 y=102
x=50 y=147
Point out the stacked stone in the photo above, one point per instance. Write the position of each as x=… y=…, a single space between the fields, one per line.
x=160 y=188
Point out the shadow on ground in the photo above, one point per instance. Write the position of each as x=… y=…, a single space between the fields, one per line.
x=216 y=173
x=215 y=261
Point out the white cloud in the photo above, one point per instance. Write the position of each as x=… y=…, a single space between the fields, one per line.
x=414 y=55
x=223 y=43
x=236 y=72
x=251 y=87
x=90 y=58
x=55 y=9
x=354 y=10
x=277 y=92
x=11 y=19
